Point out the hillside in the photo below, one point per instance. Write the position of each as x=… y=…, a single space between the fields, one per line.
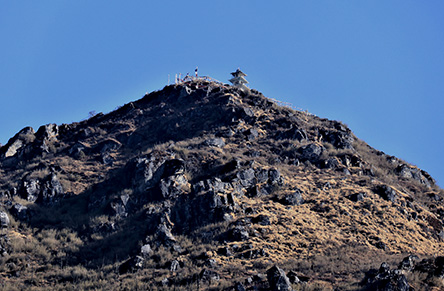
x=202 y=186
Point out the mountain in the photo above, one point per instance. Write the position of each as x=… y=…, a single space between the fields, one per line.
x=202 y=185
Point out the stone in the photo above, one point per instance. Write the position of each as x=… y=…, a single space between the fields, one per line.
x=386 y=193
x=262 y=175
x=165 y=236
x=215 y=142
x=311 y=152
x=173 y=186
x=293 y=277
x=209 y=275
x=174 y=266
x=5 y=245
x=274 y=176
x=246 y=177
x=278 y=280
x=51 y=189
x=118 y=209
x=4 y=219
x=332 y=163
x=21 y=139
x=46 y=135
x=146 y=250
x=341 y=139
x=292 y=199
x=251 y=134
x=355 y=197
x=19 y=211
x=239 y=233
x=30 y=189
x=408 y=263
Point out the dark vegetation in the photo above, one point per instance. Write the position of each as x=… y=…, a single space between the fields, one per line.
x=203 y=186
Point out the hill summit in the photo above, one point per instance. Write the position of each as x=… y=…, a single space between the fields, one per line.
x=202 y=185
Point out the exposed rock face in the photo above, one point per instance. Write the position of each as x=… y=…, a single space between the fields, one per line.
x=386 y=193
x=277 y=280
x=21 y=139
x=311 y=152
x=45 y=190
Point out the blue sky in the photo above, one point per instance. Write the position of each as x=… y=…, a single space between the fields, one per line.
x=377 y=66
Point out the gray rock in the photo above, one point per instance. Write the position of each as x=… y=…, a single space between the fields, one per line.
x=30 y=189
x=274 y=176
x=209 y=275
x=387 y=193
x=246 y=177
x=251 y=134
x=239 y=233
x=4 y=219
x=174 y=266
x=332 y=163
x=408 y=263
x=146 y=250
x=215 y=142
x=173 y=186
x=51 y=189
x=341 y=139
x=46 y=135
x=278 y=280
x=355 y=197
x=164 y=236
x=293 y=277
x=311 y=152
x=293 y=199
x=19 y=211
x=21 y=139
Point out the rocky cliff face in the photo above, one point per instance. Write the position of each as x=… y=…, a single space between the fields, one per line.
x=201 y=185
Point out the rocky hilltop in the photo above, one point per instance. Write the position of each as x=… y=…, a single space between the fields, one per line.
x=204 y=186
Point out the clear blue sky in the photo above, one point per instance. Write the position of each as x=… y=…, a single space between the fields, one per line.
x=377 y=66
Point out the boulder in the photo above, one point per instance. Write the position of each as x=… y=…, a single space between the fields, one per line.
x=46 y=135
x=341 y=139
x=386 y=193
x=278 y=280
x=408 y=263
x=311 y=152
x=164 y=236
x=295 y=134
x=355 y=197
x=293 y=277
x=146 y=250
x=30 y=189
x=332 y=163
x=4 y=219
x=21 y=139
x=5 y=245
x=293 y=199
x=209 y=275
x=246 y=177
x=51 y=189
x=215 y=142
x=239 y=233
x=387 y=280
x=251 y=134
x=173 y=186
x=274 y=176
x=19 y=211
